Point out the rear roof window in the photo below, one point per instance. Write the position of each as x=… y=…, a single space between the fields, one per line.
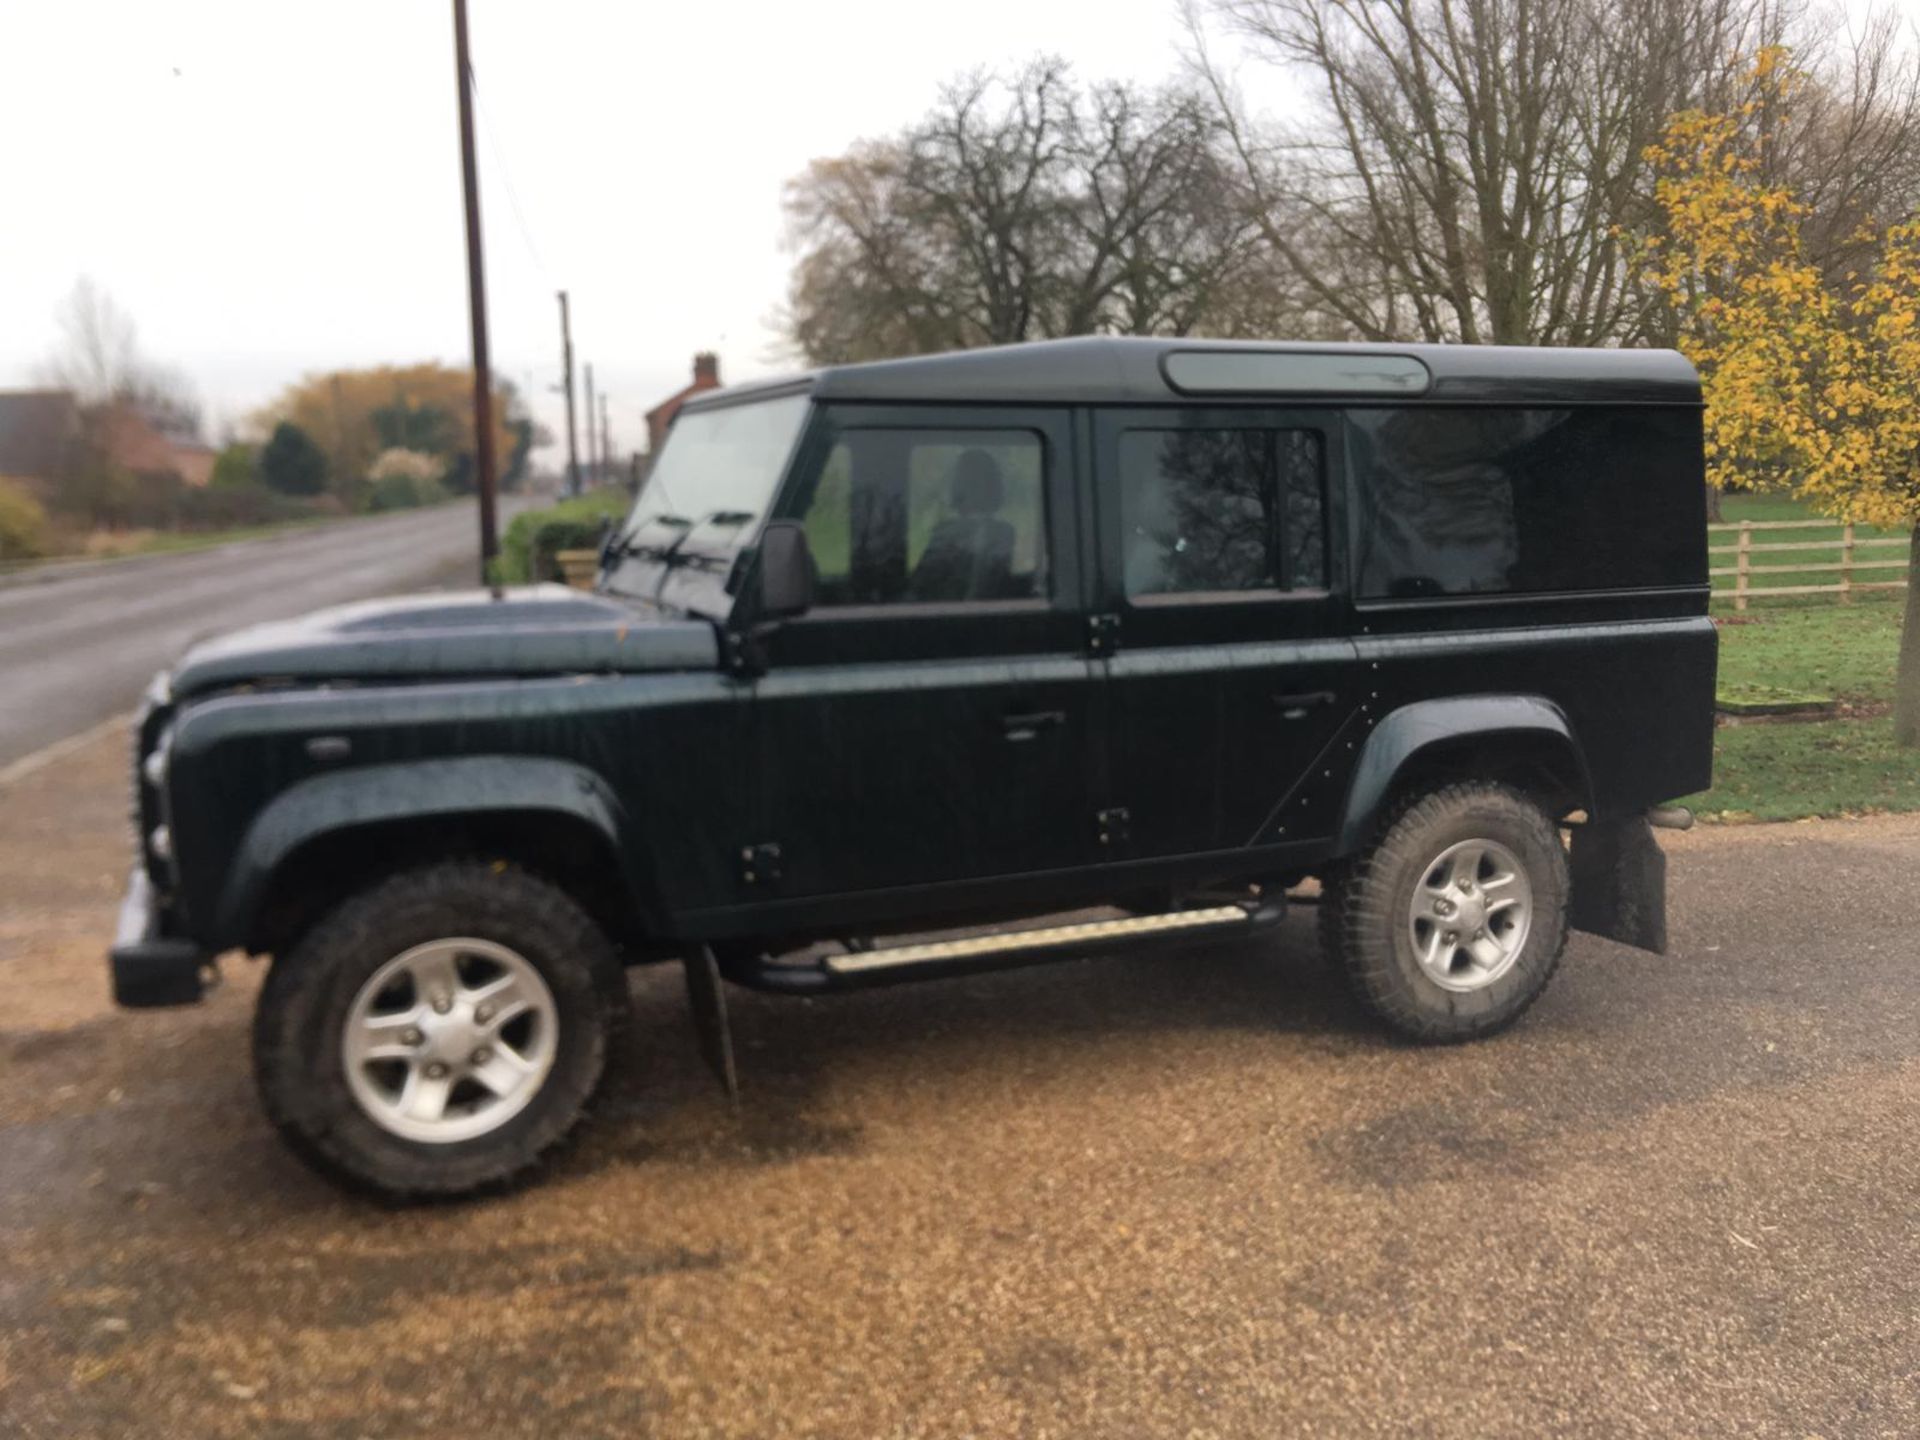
x=1267 y=372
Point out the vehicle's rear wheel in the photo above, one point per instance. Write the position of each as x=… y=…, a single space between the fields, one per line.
x=1451 y=926
x=440 y=1032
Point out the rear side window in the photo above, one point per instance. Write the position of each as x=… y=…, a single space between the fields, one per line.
x=1222 y=510
x=1490 y=501
x=931 y=516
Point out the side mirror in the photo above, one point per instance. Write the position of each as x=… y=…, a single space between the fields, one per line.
x=786 y=570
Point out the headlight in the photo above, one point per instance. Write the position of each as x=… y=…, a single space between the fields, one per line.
x=160 y=842
x=154 y=767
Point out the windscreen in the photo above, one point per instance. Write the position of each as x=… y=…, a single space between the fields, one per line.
x=705 y=496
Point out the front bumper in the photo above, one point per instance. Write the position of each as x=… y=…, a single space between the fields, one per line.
x=150 y=968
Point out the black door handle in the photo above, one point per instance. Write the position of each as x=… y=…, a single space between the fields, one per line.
x=1293 y=707
x=1020 y=728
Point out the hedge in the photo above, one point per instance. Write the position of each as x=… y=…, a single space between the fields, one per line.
x=533 y=539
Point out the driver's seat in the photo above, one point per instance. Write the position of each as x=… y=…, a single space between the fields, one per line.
x=969 y=556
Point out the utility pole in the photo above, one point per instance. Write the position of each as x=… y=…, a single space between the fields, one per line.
x=341 y=478
x=593 y=469
x=566 y=366
x=476 y=298
x=606 y=443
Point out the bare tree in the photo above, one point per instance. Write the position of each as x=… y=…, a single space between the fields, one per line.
x=1473 y=170
x=1851 y=149
x=99 y=359
x=1163 y=229
x=1020 y=209
x=1474 y=167
x=99 y=353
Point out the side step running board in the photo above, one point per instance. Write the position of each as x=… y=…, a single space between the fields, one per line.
x=1054 y=937
x=707 y=1000
x=999 y=950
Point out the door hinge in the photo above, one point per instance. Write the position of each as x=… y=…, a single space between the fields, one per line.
x=1113 y=826
x=1103 y=634
x=759 y=864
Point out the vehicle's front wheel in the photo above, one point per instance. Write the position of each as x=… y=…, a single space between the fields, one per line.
x=1451 y=926
x=439 y=1032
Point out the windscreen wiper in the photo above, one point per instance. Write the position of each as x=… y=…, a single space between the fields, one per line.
x=621 y=546
x=673 y=554
x=699 y=559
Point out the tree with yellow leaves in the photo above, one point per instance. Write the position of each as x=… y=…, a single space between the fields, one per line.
x=1811 y=388
x=356 y=415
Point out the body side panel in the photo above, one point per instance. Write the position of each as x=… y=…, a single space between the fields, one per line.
x=654 y=758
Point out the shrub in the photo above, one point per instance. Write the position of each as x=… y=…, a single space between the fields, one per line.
x=23 y=522
x=401 y=479
x=157 y=499
x=400 y=464
x=237 y=467
x=404 y=492
x=232 y=509
x=291 y=463
x=533 y=539
x=96 y=493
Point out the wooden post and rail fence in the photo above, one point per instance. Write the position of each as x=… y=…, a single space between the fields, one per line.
x=580 y=567
x=1744 y=549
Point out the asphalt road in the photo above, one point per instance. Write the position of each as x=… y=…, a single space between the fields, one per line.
x=80 y=645
x=1184 y=1195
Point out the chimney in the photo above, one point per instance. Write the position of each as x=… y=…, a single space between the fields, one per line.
x=706 y=370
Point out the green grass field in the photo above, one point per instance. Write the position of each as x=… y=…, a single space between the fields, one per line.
x=167 y=542
x=1822 y=648
x=1816 y=647
x=1788 y=771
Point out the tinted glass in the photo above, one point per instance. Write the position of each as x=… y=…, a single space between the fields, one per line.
x=1278 y=372
x=1473 y=501
x=1221 y=510
x=932 y=516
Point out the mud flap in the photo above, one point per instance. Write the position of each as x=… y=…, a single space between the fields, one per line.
x=1620 y=883
x=707 y=999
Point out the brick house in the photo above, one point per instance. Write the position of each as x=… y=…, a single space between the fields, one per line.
x=135 y=443
x=43 y=434
x=40 y=436
x=706 y=376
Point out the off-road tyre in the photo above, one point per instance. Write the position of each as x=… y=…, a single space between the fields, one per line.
x=1328 y=915
x=1364 y=926
x=298 y=1061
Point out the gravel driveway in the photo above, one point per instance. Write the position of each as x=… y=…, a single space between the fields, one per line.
x=1176 y=1196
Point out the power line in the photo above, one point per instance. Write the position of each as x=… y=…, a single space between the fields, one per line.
x=491 y=130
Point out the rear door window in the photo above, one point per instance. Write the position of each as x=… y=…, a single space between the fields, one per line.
x=1222 y=511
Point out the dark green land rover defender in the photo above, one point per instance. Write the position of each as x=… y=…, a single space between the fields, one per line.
x=911 y=668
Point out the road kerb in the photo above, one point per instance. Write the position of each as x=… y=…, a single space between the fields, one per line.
x=49 y=754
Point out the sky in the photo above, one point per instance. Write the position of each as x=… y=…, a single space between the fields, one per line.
x=270 y=189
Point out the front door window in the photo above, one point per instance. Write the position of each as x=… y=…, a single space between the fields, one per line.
x=932 y=516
